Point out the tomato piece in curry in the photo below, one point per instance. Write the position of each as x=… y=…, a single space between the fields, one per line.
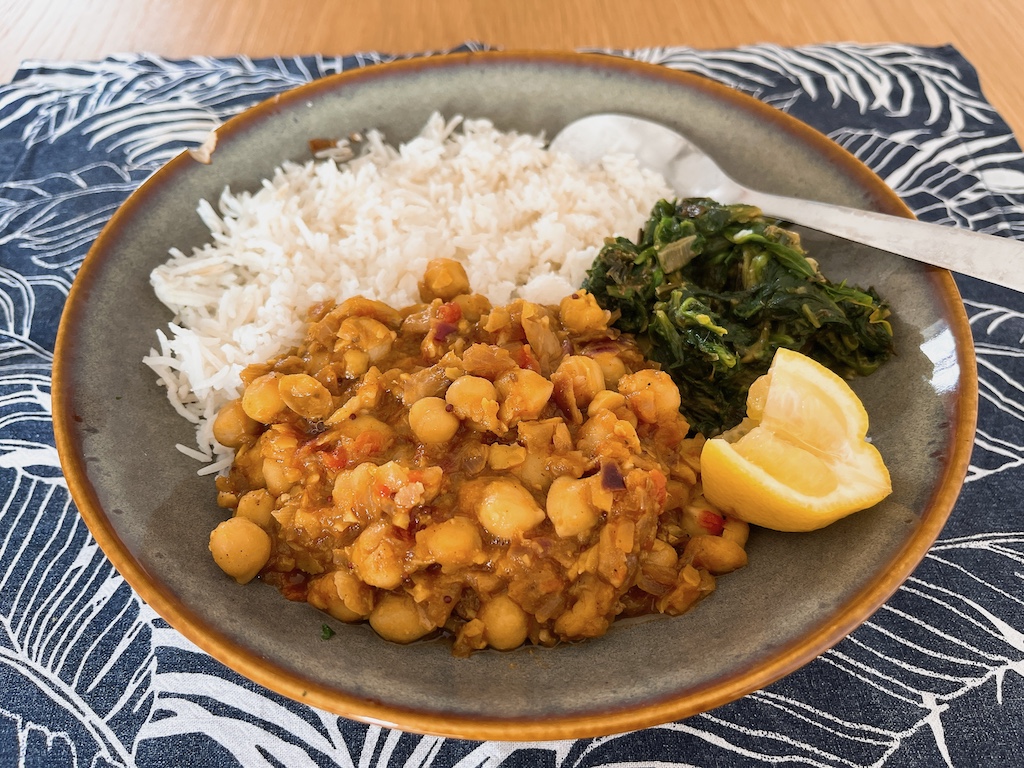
x=500 y=475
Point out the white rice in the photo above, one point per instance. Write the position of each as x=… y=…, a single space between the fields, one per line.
x=524 y=222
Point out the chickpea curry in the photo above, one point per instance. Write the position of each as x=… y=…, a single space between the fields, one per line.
x=500 y=475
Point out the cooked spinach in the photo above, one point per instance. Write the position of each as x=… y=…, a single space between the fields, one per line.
x=711 y=291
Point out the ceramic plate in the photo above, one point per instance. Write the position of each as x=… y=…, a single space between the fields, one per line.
x=801 y=594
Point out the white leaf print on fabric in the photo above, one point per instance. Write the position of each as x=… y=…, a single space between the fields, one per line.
x=893 y=79
x=999 y=346
x=56 y=616
x=99 y=679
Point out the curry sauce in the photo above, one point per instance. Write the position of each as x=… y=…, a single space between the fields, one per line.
x=498 y=474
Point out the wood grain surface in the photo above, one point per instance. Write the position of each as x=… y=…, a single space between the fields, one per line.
x=988 y=32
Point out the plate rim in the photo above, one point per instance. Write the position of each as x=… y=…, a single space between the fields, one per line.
x=796 y=654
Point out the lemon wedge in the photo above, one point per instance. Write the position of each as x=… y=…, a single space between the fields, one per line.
x=799 y=461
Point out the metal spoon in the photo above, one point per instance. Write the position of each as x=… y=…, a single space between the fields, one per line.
x=692 y=173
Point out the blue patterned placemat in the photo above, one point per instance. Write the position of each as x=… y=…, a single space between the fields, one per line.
x=90 y=676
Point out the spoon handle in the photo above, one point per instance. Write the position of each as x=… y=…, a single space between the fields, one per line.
x=998 y=260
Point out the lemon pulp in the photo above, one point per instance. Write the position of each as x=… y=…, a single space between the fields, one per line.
x=800 y=461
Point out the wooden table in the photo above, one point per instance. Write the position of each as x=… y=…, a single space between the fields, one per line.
x=988 y=32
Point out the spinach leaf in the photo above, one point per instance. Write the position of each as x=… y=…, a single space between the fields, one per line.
x=711 y=291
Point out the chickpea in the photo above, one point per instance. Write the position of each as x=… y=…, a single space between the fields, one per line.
x=583 y=618
x=240 y=547
x=606 y=427
x=256 y=506
x=377 y=559
x=366 y=334
x=453 y=543
x=700 y=519
x=305 y=396
x=715 y=553
x=612 y=367
x=736 y=530
x=534 y=471
x=431 y=422
x=356 y=363
x=577 y=377
x=473 y=306
x=250 y=460
x=278 y=477
x=652 y=395
x=581 y=312
x=349 y=492
x=524 y=394
x=342 y=595
x=605 y=400
x=662 y=554
x=690 y=586
x=507 y=510
x=399 y=619
x=475 y=400
x=467 y=391
x=505 y=623
x=569 y=506
x=233 y=426
x=261 y=400
x=227 y=500
x=443 y=279
x=364 y=425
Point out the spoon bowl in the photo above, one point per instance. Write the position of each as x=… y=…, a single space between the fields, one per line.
x=691 y=172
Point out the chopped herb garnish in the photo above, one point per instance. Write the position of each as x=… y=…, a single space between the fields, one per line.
x=711 y=291
x=326 y=633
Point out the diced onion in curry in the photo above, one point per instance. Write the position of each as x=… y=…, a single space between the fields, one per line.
x=499 y=475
